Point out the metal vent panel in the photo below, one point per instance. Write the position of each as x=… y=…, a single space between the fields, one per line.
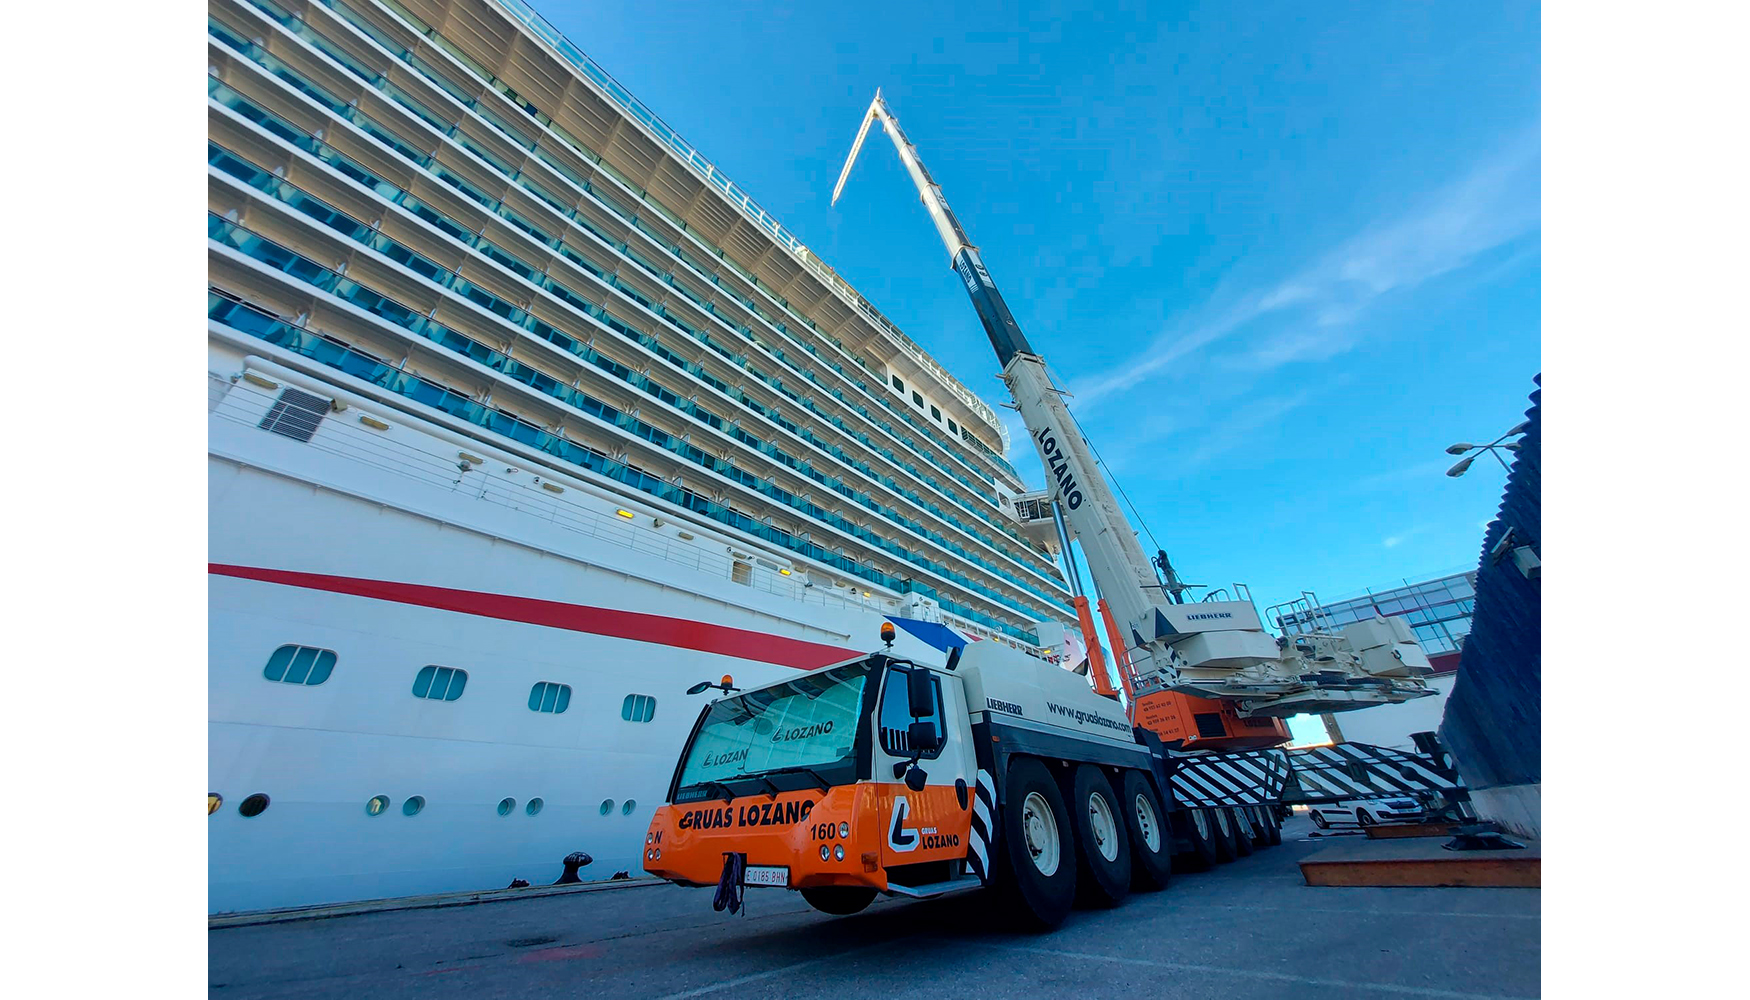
x=296 y=414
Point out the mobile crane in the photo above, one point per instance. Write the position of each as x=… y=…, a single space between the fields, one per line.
x=883 y=774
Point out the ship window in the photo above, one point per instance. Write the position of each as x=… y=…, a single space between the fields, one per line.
x=412 y=806
x=295 y=415
x=506 y=806
x=440 y=683
x=299 y=665
x=741 y=573
x=917 y=398
x=897 y=384
x=378 y=805
x=951 y=428
x=254 y=805
x=534 y=806
x=214 y=801
x=935 y=413
x=627 y=807
x=607 y=806
x=638 y=708
x=547 y=696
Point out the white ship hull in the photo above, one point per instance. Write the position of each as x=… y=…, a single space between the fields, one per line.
x=376 y=544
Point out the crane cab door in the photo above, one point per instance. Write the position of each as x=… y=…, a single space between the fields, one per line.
x=931 y=824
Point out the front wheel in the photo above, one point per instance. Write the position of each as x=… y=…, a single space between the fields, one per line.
x=839 y=900
x=1102 y=842
x=1036 y=873
x=1320 y=821
x=1364 y=818
x=1151 y=840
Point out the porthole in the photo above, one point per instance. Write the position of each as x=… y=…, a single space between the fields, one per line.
x=214 y=801
x=377 y=806
x=506 y=806
x=254 y=805
x=412 y=806
x=626 y=810
x=607 y=806
x=534 y=806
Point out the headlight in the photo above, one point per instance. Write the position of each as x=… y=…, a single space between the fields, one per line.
x=838 y=852
x=844 y=830
x=824 y=852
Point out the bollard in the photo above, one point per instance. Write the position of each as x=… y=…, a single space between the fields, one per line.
x=573 y=862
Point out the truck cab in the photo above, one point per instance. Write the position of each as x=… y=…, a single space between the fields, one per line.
x=857 y=776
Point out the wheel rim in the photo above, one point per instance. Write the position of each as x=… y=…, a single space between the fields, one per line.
x=1103 y=826
x=1201 y=821
x=1147 y=822
x=1039 y=827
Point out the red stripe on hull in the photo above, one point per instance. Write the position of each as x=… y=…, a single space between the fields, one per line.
x=639 y=627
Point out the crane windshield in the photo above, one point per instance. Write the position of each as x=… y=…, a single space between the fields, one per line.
x=805 y=729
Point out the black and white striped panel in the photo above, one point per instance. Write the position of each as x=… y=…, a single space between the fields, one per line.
x=984 y=811
x=1230 y=779
x=1359 y=770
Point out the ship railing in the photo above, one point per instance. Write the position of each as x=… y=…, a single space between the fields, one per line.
x=243 y=404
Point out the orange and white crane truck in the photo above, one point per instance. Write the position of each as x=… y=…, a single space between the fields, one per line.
x=993 y=768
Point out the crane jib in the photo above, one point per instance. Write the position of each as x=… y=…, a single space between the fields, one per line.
x=1005 y=334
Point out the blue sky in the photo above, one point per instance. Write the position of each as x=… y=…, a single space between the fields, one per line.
x=1282 y=254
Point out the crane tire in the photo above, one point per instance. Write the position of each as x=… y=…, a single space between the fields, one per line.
x=1151 y=836
x=1102 y=840
x=1272 y=826
x=1226 y=841
x=1242 y=828
x=839 y=900
x=1198 y=829
x=1035 y=883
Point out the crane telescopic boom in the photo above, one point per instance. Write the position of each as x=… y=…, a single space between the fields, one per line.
x=1214 y=649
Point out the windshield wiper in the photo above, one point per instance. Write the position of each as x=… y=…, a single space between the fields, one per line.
x=825 y=786
x=721 y=790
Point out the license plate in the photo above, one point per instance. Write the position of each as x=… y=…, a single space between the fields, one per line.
x=766 y=875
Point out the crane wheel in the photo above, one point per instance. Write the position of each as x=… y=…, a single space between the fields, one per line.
x=1102 y=841
x=1035 y=883
x=1272 y=826
x=839 y=900
x=1226 y=842
x=1243 y=835
x=1199 y=831
x=1151 y=839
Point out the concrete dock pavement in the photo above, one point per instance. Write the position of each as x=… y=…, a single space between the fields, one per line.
x=1249 y=929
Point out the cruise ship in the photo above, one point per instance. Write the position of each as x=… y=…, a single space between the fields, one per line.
x=524 y=419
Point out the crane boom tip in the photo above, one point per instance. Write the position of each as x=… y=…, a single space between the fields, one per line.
x=856 y=147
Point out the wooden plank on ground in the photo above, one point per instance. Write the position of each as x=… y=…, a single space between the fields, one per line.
x=1396 y=830
x=1421 y=862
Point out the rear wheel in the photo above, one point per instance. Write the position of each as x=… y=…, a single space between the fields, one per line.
x=839 y=900
x=1223 y=824
x=1242 y=827
x=1036 y=870
x=1199 y=830
x=1103 y=845
x=1272 y=826
x=1151 y=841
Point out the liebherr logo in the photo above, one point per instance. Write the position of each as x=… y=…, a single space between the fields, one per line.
x=1058 y=463
x=1204 y=616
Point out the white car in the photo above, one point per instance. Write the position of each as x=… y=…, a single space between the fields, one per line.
x=1366 y=812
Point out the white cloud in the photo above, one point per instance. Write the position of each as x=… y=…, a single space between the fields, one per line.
x=1494 y=203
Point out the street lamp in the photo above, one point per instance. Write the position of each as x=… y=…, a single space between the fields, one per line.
x=1499 y=443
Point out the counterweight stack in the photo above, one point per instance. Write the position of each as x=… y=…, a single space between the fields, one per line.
x=1211 y=649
